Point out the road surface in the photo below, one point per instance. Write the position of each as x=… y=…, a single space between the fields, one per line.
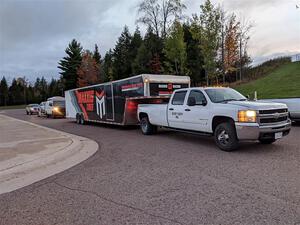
x=169 y=178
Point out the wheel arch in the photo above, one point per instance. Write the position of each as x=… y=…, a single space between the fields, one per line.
x=220 y=119
x=142 y=115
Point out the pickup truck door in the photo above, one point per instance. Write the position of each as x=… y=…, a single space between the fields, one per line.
x=196 y=117
x=176 y=109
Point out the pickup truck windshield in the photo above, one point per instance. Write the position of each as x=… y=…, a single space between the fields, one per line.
x=224 y=95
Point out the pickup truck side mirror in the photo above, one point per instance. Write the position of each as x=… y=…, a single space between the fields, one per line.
x=191 y=101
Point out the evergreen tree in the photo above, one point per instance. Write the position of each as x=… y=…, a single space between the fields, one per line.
x=149 y=55
x=122 y=56
x=69 y=65
x=3 y=92
x=141 y=63
x=175 y=50
x=15 y=93
x=207 y=30
x=107 y=66
x=194 y=62
x=96 y=55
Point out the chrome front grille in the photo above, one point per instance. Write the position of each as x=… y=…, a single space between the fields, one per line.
x=272 y=116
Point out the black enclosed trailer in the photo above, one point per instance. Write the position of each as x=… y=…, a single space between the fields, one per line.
x=116 y=102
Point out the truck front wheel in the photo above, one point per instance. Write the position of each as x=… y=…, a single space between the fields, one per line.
x=225 y=137
x=146 y=127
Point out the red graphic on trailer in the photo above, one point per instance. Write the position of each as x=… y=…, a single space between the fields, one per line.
x=85 y=100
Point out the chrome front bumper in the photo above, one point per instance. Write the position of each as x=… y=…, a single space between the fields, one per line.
x=254 y=131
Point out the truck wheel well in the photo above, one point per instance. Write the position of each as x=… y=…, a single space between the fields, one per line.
x=220 y=119
x=142 y=115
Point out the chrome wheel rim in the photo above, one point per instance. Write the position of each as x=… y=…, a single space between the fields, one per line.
x=223 y=137
x=144 y=126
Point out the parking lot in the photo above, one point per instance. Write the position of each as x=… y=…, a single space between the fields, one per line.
x=168 y=178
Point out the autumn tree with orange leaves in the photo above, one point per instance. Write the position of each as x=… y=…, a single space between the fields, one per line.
x=231 y=45
x=89 y=70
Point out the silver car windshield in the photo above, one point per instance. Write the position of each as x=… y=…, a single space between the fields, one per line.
x=219 y=95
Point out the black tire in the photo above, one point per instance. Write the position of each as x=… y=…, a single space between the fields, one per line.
x=82 y=121
x=77 y=118
x=267 y=141
x=27 y=112
x=146 y=127
x=225 y=137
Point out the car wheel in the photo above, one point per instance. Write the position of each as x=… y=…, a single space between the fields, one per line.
x=267 y=141
x=27 y=113
x=146 y=127
x=225 y=137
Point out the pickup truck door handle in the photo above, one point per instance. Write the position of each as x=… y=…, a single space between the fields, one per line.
x=187 y=110
x=171 y=109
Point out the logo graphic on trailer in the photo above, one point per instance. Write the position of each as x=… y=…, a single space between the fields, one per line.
x=100 y=104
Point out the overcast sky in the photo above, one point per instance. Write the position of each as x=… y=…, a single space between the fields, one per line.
x=35 y=33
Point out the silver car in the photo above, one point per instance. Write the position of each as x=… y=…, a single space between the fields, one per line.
x=32 y=109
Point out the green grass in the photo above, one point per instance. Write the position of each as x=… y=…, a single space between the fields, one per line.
x=12 y=107
x=282 y=83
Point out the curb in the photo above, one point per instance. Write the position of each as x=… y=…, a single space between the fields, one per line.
x=27 y=173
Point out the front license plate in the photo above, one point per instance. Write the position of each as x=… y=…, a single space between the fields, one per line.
x=278 y=135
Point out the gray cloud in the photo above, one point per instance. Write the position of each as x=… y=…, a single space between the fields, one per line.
x=35 y=33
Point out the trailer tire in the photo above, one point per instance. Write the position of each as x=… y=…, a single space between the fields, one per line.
x=82 y=121
x=146 y=127
x=78 y=118
x=225 y=137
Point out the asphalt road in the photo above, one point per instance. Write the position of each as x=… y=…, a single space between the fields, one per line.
x=169 y=178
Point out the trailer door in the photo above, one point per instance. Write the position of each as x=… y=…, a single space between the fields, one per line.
x=109 y=102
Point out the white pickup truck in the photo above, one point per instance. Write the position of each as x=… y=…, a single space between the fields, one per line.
x=220 y=112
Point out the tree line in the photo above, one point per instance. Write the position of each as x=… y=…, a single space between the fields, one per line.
x=210 y=47
x=22 y=92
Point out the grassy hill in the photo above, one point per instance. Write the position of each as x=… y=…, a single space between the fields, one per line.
x=280 y=83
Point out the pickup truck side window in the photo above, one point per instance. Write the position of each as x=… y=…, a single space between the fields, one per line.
x=199 y=96
x=178 y=98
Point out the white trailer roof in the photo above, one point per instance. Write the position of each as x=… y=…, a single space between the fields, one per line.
x=157 y=78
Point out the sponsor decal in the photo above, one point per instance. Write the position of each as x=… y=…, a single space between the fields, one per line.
x=176 y=86
x=165 y=92
x=100 y=104
x=131 y=87
x=87 y=98
x=162 y=86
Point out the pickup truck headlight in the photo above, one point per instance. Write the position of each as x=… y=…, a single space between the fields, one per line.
x=247 y=116
x=56 y=109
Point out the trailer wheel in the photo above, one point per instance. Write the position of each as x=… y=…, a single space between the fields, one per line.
x=146 y=127
x=82 y=121
x=225 y=137
x=78 y=118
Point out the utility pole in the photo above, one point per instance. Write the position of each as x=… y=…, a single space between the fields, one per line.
x=241 y=66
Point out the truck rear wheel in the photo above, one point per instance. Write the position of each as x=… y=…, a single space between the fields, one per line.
x=146 y=127
x=225 y=137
